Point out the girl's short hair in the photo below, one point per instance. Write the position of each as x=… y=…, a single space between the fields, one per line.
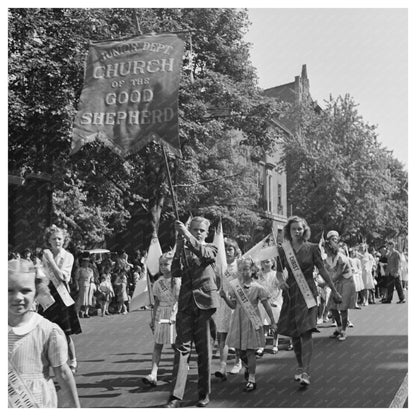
x=19 y=267
x=248 y=260
x=53 y=229
x=232 y=243
x=306 y=230
x=166 y=256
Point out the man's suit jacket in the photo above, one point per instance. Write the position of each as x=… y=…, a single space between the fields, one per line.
x=197 y=275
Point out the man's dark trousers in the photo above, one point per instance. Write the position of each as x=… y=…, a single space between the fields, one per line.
x=193 y=326
x=394 y=282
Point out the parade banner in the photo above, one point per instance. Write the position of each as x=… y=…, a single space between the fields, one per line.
x=130 y=94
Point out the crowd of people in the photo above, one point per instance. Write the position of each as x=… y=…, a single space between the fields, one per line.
x=251 y=302
x=100 y=283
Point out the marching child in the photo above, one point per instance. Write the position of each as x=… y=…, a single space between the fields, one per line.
x=222 y=316
x=246 y=332
x=267 y=278
x=166 y=293
x=35 y=345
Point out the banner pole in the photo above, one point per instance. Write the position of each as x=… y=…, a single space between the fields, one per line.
x=172 y=191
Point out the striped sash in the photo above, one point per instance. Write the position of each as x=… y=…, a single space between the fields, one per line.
x=59 y=285
x=19 y=395
x=166 y=290
x=299 y=277
x=246 y=304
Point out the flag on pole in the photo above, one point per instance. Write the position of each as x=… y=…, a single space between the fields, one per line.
x=141 y=296
x=221 y=261
x=153 y=256
x=143 y=293
x=263 y=250
x=130 y=94
x=321 y=245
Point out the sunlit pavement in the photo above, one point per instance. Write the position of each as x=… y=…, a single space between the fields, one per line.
x=365 y=371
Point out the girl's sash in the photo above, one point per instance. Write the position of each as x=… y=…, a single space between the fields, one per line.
x=60 y=287
x=19 y=394
x=166 y=290
x=299 y=277
x=246 y=304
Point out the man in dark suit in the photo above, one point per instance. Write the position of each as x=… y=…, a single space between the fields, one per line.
x=194 y=262
x=393 y=274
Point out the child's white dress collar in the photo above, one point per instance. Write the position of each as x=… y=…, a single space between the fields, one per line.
x=27 y=327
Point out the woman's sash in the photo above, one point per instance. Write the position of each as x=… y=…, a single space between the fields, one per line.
x=19 y=395
x=246 y=304
x=59 y=285
x=299 y=277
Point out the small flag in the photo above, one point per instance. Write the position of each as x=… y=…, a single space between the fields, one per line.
x=221 y=261
x=263 y=250
x=321 y=245
x=153 y=256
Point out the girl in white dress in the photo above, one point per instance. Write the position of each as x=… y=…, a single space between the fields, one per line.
x=166 y=293
x=267 y=278
x=356 y=274
x=34 y=345
x=367 y=264
x=84 y=277
x=246 y=333
x=222 y=316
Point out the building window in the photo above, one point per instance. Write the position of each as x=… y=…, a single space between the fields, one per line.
x=279 y=199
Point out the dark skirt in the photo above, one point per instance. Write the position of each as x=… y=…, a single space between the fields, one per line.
x=64 y=316
x=295 y=317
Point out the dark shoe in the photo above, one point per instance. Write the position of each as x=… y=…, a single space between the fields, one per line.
x=260 y=352
x=203 y=402
x=250 y=386
x=402 y=301
x=336 y=334
x=220 y=375
x=87 y=316
x=385 y=301
x=173 y=403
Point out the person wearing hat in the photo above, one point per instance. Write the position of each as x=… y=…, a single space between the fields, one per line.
x=340 y=271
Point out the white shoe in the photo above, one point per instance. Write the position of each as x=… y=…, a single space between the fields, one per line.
x=342 y=336
x=320 y=321
x=237 y=368
x=350 y=324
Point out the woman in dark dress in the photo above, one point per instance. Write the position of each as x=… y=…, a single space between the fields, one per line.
x=297 y=320
x=58 y=266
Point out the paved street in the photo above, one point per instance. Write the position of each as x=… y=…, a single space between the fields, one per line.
x=365 y=371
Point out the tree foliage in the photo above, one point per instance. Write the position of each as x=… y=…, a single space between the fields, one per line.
x=97 y=194
x=339 y=175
